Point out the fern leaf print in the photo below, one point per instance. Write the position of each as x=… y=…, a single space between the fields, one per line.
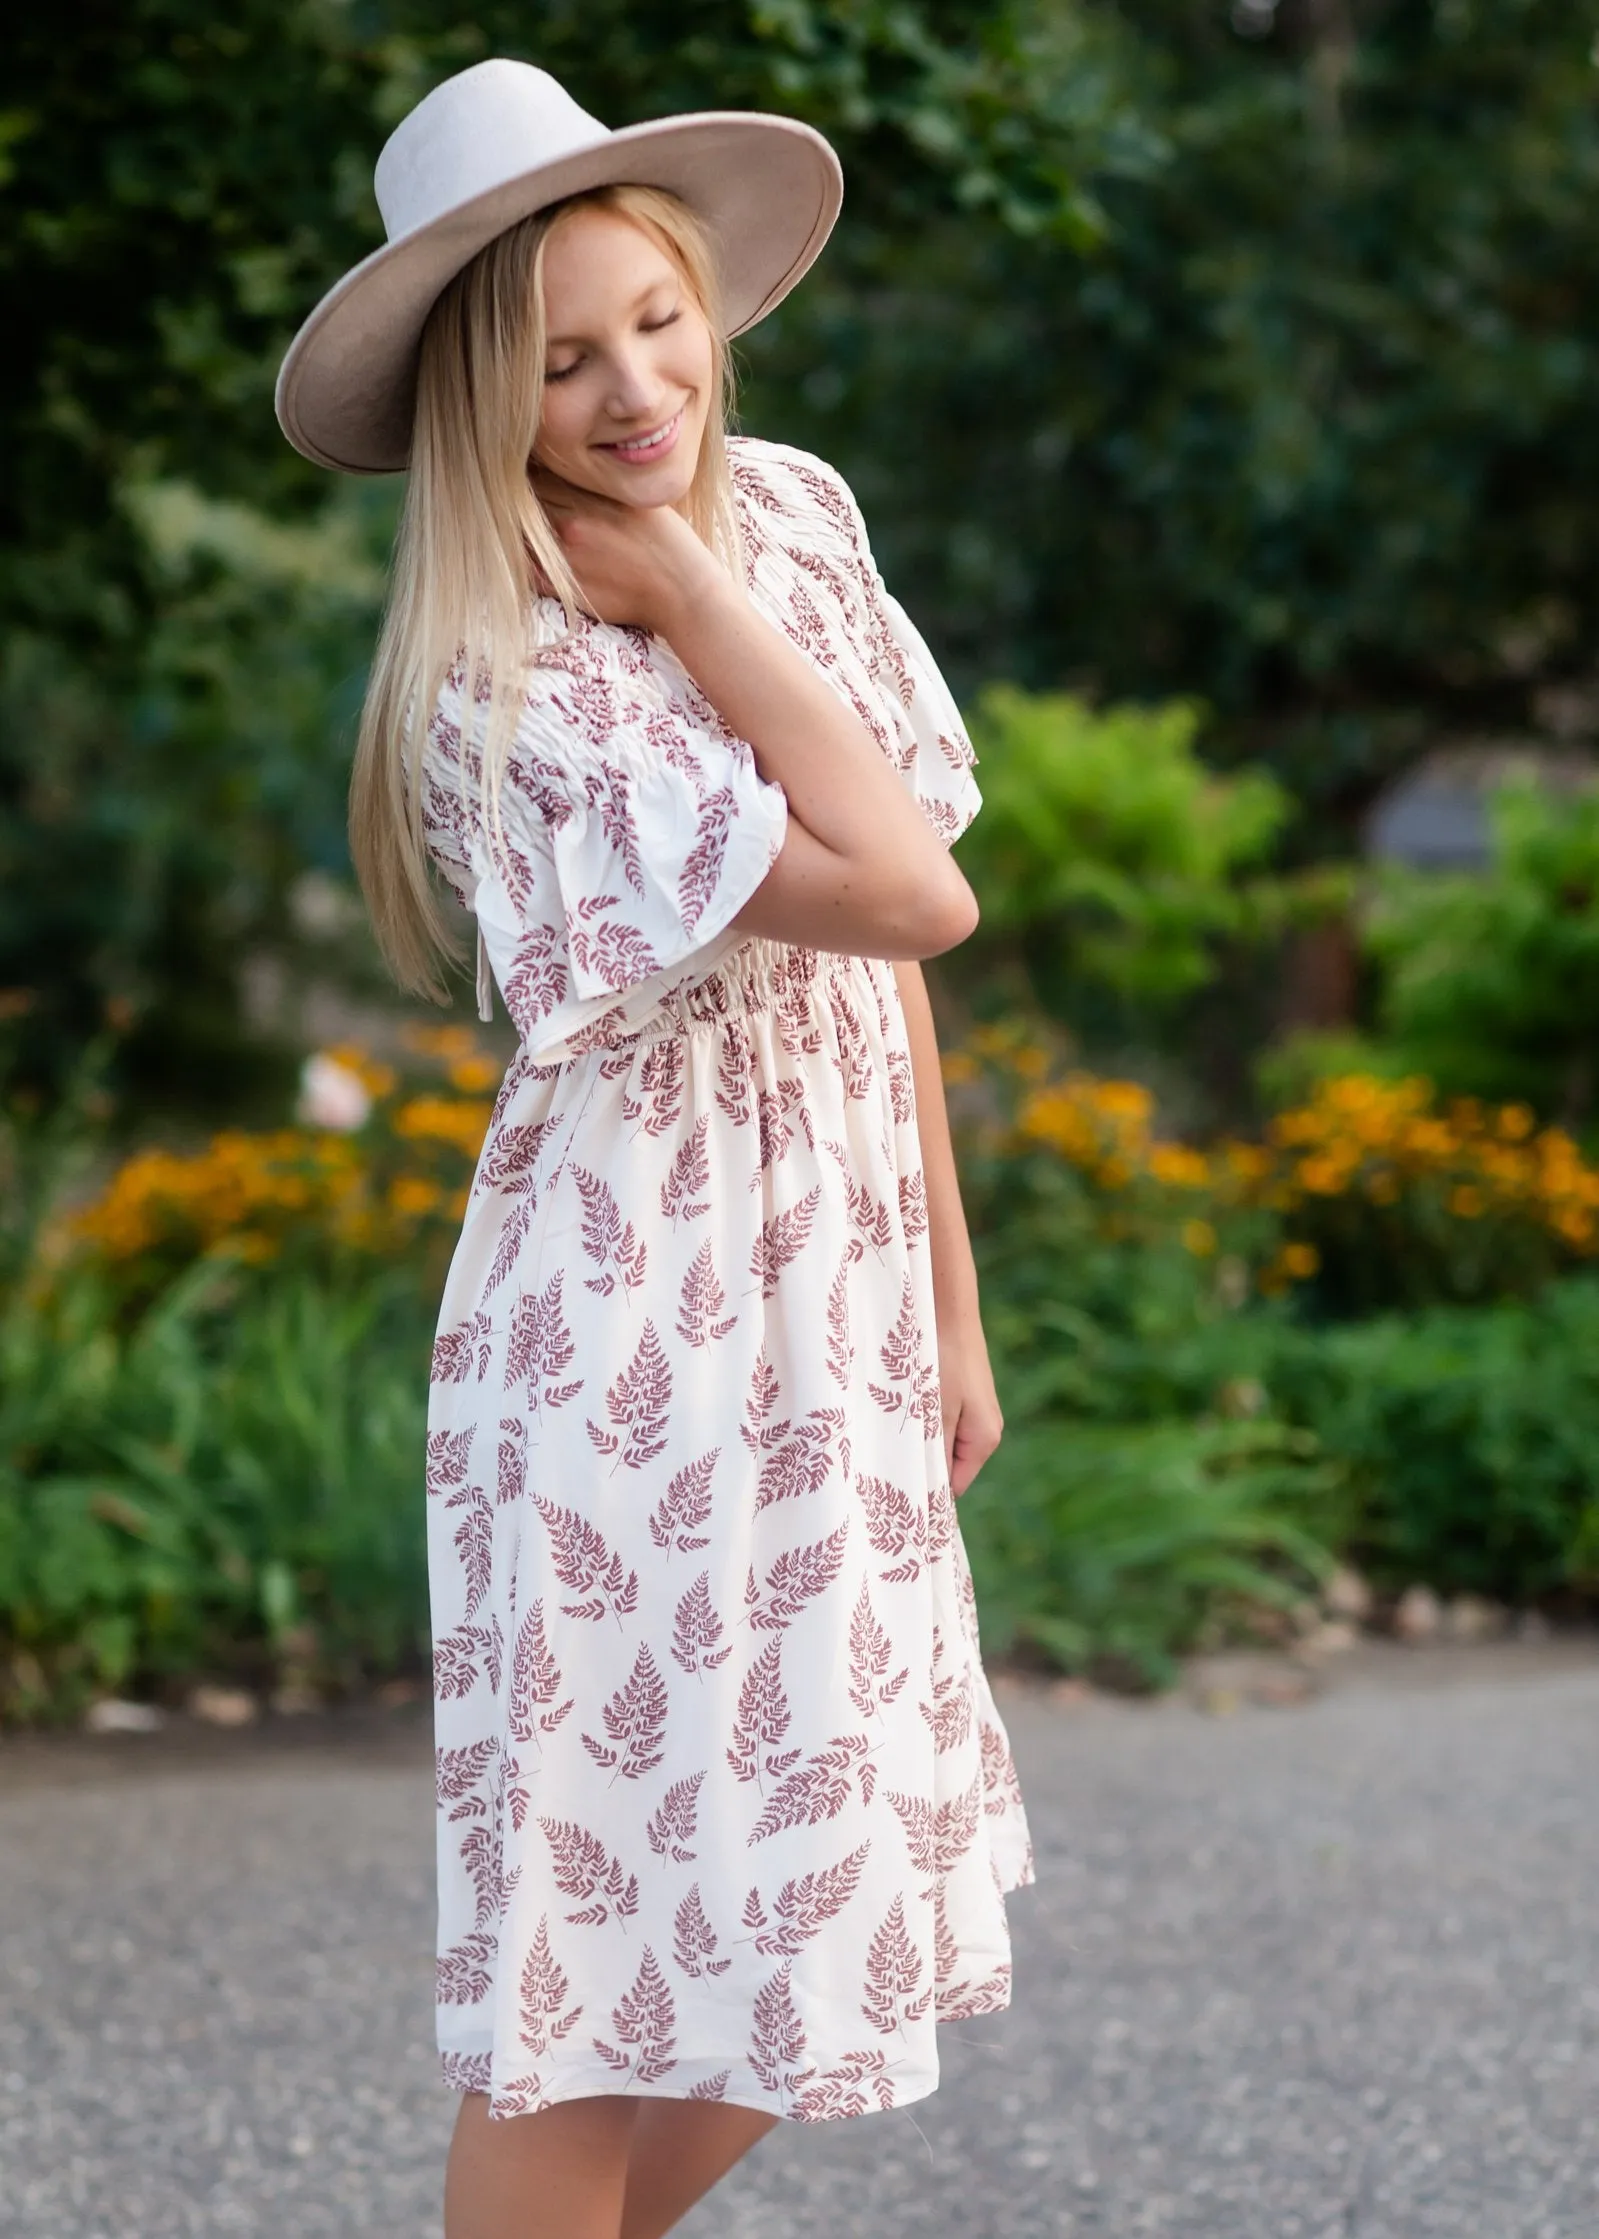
x=725 y=1807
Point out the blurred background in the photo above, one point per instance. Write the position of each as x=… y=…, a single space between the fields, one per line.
x=1218 y=382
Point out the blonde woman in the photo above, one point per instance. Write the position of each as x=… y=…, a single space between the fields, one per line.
x=726 y=1816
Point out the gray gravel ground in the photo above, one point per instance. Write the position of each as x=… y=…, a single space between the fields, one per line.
x=1327 y=1972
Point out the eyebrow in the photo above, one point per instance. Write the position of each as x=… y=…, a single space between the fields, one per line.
x=574 y=341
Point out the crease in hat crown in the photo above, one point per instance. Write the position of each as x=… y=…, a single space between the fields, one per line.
x=473 y=133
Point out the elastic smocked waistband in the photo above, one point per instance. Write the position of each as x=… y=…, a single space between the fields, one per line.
x=758 y=977
x=743 y=978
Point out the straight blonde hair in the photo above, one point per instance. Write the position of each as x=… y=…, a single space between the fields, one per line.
x=473 y=539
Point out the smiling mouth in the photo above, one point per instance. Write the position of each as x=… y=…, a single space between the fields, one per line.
x=643 y=450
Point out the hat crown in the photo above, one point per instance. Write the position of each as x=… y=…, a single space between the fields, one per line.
x=473 y=133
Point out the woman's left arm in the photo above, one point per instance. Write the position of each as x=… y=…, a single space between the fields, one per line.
x=972 y=1420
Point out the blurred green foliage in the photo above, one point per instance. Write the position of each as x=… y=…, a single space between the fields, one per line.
x=1182 y=355
x=228 y=1485
x=1469 y=1438
x=1106 y=845
x=1112 y=1547
x=1132 y=1502
x=1303 y=429
x=1166 y=360
x=1489 y=981
x=186 y=607
x=1132 y=893
x=218 y=1470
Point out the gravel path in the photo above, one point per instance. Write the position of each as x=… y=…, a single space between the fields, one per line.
x=1327 y=1972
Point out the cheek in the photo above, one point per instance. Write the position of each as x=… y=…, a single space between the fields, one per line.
x=692 y=364
x=705 y=374
x=564 y=419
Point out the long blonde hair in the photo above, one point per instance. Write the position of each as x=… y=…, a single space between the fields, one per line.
x=472 y=532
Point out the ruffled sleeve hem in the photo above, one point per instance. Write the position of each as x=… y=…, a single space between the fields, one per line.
x=656 y=861
x=634 y=832
x=804 y=520
x=940 y=768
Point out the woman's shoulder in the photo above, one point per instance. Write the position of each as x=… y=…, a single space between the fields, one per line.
x=559 y=649
x=781 y=480
x=580 y=692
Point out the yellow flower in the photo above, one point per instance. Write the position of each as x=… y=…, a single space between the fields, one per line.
x=449 y=1043
x=1299 y=1260
x=1199 y=1238
x=1467 y=1200
x=956 y=1065
x=472 y=1076
x=1179 y=1167
x=412 y=1195
x=1120 y=1099
x=440 y=1119
x=1431 y=1139
x=1248 y=1161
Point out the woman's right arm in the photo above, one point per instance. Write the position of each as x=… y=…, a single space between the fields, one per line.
x=861 y=871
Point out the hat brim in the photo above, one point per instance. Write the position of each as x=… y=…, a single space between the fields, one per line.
x=768 y=188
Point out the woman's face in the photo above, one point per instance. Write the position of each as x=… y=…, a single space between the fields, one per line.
x=629 y=366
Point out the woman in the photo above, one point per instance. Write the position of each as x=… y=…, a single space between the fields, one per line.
x=726 y=1813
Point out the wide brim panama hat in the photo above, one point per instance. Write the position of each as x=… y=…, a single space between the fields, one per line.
x=491 y=146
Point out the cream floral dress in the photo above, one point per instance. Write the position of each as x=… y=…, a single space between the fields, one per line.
x=725 y=1807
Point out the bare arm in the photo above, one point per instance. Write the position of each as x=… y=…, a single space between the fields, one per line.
x=861 y=871
x=972 y=1421
x=954 y=1271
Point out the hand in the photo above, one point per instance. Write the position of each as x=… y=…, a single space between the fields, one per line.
x=972 y=1421
x=635 y=565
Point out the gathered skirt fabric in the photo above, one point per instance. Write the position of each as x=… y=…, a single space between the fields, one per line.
x=725 y=1806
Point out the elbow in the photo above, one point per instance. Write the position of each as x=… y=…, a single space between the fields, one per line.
x=949 y=918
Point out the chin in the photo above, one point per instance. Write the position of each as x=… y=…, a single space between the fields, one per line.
x=662 y=489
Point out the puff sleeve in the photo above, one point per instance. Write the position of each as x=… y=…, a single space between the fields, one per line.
x=633 y=826
x=823 y=586
x=943 y=757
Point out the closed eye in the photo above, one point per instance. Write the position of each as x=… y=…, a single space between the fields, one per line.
x=646 y=326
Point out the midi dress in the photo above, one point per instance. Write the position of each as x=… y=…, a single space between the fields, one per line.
x=726 y=1810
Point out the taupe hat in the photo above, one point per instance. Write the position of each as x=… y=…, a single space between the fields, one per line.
x=489 y=147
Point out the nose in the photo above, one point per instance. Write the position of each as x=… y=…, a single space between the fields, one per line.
x=634 y=389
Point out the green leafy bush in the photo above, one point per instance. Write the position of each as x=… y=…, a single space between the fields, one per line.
x=1470 y=1437
x=1115 y=1545
x=231 y=1485
x=1138 y=1497
x=1103 y=835
x=1490 y=980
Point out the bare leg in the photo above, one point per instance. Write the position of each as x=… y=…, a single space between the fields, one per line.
x=559 y=2174
x=681 y=2147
